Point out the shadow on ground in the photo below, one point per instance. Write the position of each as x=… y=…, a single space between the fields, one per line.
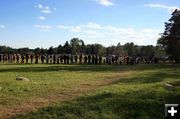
x=107 y=105
x=149 y=78
x=93 y=68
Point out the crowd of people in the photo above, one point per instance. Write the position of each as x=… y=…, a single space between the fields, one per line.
x=72 y=59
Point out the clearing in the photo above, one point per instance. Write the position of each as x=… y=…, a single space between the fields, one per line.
x=87 y=91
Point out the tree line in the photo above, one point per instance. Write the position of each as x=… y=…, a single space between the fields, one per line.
x=77 y=46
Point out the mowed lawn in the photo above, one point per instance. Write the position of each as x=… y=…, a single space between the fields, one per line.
x=87 y=91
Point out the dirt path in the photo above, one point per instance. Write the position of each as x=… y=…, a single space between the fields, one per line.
x=35 y=104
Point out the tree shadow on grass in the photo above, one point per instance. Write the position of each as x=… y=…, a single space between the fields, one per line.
x=92 y=68
x=148 y=78
x=106 y=105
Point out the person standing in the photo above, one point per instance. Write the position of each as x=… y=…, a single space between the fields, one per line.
x=104 y=61
x=51 y=59
x=80 y=59
x=127 y=60
x=27 y=58
x=58 y=57
x=96 y=59
x=47 y=58
x=85 y=59
x=65 y=59
x=22 y=58
x=14 y=58
x=11 y=57
x=89 y=59
x=113 y=59
x=93 y=59
x=8 y=57
x=76 y=58
x=100 y=59
x=17 y=58
x=116 y=59
x=61 y=59
x=54 y=59
x=72 y=59
x=120 y=61
x=31 y=57
x=36 y=59
x=42 y=59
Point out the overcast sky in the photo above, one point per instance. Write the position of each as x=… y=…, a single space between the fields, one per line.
x=45 y=23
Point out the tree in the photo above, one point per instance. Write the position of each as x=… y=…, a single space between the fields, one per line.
x=3 y=49
x=67 y=48
x=77 y=45
x=23 y=50
x=59 y=49
x=159 y=52
x=170 y=39
x=130 y=49
x=88 y=49
x=110 y=50
x=37 y=51
x=97 y=49
x=147 y=51
x=119 y=50
x=43 y=51
x=50 y=50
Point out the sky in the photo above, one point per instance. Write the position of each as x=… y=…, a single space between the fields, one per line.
x=45 y=23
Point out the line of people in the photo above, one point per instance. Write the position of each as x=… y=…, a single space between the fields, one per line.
x=73 y=59
x=52 y=59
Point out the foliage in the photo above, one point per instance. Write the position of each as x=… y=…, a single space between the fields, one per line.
x=130 y=49
x=77 y=46
x=147 y=51
x=170 y=39
x=50 y=50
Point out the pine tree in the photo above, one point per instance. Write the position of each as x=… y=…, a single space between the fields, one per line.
x=170 y=39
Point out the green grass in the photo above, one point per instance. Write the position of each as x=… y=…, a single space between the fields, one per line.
x=87 y=91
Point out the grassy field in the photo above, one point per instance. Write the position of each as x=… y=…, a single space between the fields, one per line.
x=87 y=91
